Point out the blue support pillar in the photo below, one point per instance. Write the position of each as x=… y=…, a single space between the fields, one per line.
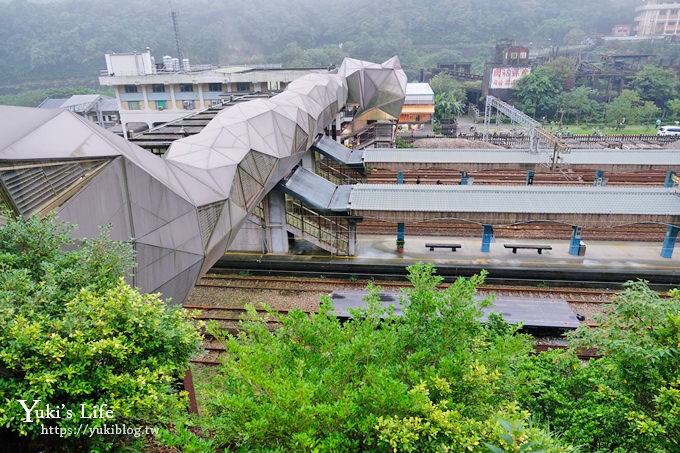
x=401 y=235
x=576 y=233
x=669 y=241
x=599 y=178
x=669 y=182
x=530 y=177
x=400 y=177
x=487 y=237
x=463 y=178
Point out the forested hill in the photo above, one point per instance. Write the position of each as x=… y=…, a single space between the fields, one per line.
x=67 y=39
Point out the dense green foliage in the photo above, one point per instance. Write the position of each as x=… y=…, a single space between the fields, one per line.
x=68 y=38
x=543 y=94
x=538 y=95
x=656 y=84
x=449 y=98
x=33 y=98
x=629 y=400
x=434 y=380
x=74 y=335
x=632 y=108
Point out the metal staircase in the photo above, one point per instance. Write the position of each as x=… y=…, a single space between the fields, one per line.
x=533 y=128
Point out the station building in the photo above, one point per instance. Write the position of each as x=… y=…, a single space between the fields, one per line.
x=418 y=110
x=150 y=93
x=657 y=18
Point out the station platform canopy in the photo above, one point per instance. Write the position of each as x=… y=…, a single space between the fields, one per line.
x=516 y=199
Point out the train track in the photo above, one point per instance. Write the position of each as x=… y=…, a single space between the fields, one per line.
x=537 y=230
x=228 y=318
x=297 y=284
x=653 y=178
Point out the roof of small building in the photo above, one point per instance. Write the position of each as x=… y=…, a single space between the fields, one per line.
x=419 y=93
x=52 y=103
x=80 y=103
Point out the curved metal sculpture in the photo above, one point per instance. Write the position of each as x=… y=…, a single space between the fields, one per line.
x=181 y=211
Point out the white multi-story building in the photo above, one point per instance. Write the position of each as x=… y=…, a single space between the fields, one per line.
x=154 y=94
x=657 y=18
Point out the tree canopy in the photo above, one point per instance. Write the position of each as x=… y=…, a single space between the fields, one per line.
x=67 y=39
x=656 y=84
x=628 y=400
x=436 y=379
x=537 y=94
x=628 y=107
x=76 y=337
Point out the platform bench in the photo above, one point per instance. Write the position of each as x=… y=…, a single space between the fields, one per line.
x=453 y=247
x=539 y=248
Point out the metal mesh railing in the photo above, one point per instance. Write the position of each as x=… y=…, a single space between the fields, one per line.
x=328 y=232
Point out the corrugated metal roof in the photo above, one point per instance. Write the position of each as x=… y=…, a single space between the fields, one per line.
x=317 y=191
x=515 y=199
x=52 y=103
x=338 y=152
x=419 y=93
x=581 y=156
x=80 y=99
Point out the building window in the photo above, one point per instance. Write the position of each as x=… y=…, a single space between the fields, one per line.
x=134 y=105
x=522 y=55
x=130 y=88
x=161 y=105
x=186 y=87
x=242 y=86
x=158 y=88
x=214 y=87
x=188 y=105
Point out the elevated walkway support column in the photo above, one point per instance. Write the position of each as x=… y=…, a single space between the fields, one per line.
x=275 y=217
x=669 y=241
x=352 y=241
x=487 y=237
x=575 y=244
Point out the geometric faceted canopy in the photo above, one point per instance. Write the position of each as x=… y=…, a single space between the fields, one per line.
x=181 y=211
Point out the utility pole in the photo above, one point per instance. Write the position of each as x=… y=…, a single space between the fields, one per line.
x=178 y=43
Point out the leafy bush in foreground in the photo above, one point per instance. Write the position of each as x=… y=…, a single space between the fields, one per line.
x=628 y=400
x=74 y=335
x=435 y=379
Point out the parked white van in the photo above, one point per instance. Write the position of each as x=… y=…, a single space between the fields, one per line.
x=668 y=130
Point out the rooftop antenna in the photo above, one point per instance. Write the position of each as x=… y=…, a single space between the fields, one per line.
x=178 y=43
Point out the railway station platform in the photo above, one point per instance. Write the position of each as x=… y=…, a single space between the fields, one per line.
x=604 y=261
x=599 y=254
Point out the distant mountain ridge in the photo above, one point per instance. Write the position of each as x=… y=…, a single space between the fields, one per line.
x=54 y=40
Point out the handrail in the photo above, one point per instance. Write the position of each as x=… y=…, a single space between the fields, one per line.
x=534 y=128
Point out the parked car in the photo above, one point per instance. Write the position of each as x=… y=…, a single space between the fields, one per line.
x=668 y=130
